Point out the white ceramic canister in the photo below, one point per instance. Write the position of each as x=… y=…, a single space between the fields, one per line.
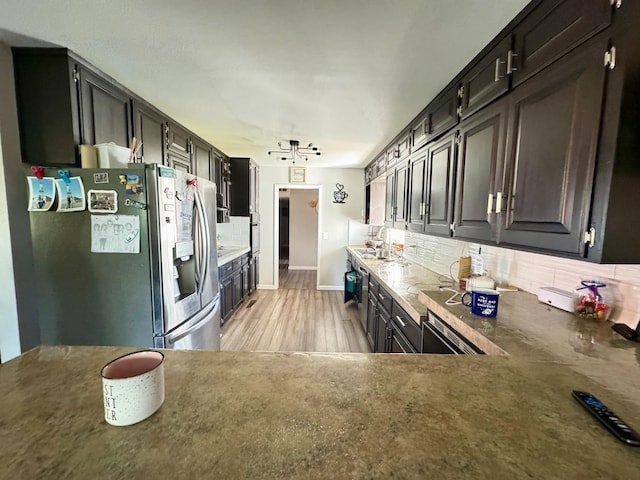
x=133 y=387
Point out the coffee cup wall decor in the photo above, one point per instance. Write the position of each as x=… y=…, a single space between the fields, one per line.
x=339 y=195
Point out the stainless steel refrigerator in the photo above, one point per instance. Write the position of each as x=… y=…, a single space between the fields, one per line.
x=145 y=275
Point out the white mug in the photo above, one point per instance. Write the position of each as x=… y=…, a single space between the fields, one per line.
x=133 y=387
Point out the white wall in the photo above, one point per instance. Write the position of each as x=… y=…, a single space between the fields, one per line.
x=19 y=329
x=303 y=230
x=334 y=219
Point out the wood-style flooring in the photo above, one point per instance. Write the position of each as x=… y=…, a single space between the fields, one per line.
x=296 y=317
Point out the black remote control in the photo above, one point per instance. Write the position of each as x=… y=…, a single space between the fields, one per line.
x=609 y=419
x=626 y=331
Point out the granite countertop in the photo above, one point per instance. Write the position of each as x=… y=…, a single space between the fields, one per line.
x=524 y=327
x=312 y=416
x=229 y=253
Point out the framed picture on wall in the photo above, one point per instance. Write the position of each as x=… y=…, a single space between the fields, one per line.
x=297 y=174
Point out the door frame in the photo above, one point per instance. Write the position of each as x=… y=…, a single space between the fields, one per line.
x=276 y=227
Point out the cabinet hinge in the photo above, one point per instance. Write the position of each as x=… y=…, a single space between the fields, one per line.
x=458 y=139
x=610 y=58
x=452 y=228
x=461 y=91
x=616 y=3
x=510 y=57
x=76 y=76
x=590 y=237
x=459 y=111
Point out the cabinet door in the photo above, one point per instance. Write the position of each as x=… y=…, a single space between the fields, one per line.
x=440 y=178
x=245 y=281
x=178 y=140
x=487 y=80
x=479 y=173
x=443 y=112
x=403 y=145
x=149 y=128
x=417 y=192
x=202 y=159
x=253 y=191
x=389 y=199
x=420 y=132
x=382 y=330
x=226 y=298
x=400 y=200
x=372 y=318
x=237 y=288
x=106 y=111
x=553 y=28
x=179 y=162
x=554 y=121
x=47 y=104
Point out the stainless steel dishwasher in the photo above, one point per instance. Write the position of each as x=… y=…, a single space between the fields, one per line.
x=438 y=337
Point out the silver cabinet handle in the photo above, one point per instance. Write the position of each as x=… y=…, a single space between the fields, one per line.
x=496 y=78
x=380 y=296
x=401 y=322
x=498 y=202
x=489 y=204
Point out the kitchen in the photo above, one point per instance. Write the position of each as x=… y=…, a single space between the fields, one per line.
x=338 y=239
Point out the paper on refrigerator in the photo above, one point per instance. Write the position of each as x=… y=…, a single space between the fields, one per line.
x=115 y=234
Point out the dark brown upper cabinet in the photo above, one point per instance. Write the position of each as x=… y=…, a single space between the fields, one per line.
x=150 y=128
x=554 y=121
x=244 y=186
x=479 y=173
x=105 y=109
x=178 y=140
x=420 y=131
x=417 y=191
x=552 y=29
x=179 y=162
x=431 y=187
x=487 y=80
x=396 y=196
x=440 y=183
x=47 y=103
x=203 y=159
x=443 y=112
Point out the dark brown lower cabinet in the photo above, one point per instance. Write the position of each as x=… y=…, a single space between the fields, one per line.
x=383 y=330
x=235 y=284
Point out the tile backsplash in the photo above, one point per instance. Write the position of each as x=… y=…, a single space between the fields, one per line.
x=234 y=233
x=525 y=270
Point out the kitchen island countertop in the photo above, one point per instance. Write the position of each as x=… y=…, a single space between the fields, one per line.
x=318 y=416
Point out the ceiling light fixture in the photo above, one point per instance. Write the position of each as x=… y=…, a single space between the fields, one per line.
x=295 y=151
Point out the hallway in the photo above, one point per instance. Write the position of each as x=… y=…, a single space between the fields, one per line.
x=296 y=317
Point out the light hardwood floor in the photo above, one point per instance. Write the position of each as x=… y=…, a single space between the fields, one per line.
x=296 y=317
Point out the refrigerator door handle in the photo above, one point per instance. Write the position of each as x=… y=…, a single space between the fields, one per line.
x=193 y=323
x=203 y=226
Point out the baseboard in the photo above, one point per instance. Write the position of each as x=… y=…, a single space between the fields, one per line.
x=330 y=287
x=302 y=268
x=266 y=287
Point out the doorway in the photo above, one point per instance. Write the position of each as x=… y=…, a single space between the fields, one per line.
x=297 y=245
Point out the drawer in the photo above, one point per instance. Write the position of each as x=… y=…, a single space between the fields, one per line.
x=385 y=299
x=373 y=287
x=225 y=270
x=407 y=326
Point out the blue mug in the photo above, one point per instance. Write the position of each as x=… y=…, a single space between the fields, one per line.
x=483 y=302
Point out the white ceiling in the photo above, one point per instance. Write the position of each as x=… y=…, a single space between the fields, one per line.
x=346 y=75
